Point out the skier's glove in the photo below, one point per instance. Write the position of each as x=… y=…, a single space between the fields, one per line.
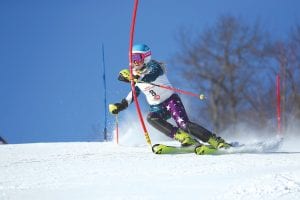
x=124 y=76
x=117 y=107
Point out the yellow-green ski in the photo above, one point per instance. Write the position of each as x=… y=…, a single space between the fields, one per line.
x=198 y=149
x=165 y=149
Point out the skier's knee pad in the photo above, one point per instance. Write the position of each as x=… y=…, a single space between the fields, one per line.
x=162 y=125
x=152 y=117
x=189 y=125
x=198 y=131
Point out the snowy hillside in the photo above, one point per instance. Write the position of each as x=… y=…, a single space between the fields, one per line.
x=107 y=171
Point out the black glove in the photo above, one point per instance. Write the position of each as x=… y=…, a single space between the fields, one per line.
x=117 y=107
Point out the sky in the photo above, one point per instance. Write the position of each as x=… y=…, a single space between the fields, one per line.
x=51 y=63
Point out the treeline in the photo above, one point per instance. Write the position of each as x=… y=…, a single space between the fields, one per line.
x=235 y=64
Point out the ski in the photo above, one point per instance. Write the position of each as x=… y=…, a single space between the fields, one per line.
x=197 y=149
x=236 y=147
x=165 y=149
x=205 y=150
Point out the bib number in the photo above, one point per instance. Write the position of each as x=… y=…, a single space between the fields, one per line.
x=153 y=93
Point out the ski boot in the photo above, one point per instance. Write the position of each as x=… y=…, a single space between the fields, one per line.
x=184 y=138
x=218 y=142
x=205 y=149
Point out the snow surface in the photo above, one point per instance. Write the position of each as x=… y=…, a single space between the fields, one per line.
x=105 y=170
x=110 y=171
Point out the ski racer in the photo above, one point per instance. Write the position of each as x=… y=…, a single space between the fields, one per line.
x=164 y=104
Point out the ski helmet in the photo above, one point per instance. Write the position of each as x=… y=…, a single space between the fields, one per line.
x=141 y=53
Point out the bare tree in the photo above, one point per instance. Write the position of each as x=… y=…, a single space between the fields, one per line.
x=225 y=61
x=288 y=58
x=295 y=58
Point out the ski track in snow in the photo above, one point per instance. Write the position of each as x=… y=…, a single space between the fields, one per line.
x=107 y=171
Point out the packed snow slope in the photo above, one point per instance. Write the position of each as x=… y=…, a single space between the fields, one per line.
x=109 y=171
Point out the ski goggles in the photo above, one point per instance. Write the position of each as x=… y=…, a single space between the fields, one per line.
x=138 y=58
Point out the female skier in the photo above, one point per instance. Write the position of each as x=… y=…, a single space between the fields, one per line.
x=164 y=103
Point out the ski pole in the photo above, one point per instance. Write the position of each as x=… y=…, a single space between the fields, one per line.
x=201 y=96
x=117 y=129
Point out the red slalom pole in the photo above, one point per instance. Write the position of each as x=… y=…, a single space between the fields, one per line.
x=278 y=105
x=131 y=75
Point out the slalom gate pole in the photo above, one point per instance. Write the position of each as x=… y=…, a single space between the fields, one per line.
x=278 y=96
x=105 y=95
x=131 y=75
x=201 y=96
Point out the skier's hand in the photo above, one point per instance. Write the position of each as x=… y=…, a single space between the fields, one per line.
x=117 y=107
x=113 y=108
x=124 y=76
